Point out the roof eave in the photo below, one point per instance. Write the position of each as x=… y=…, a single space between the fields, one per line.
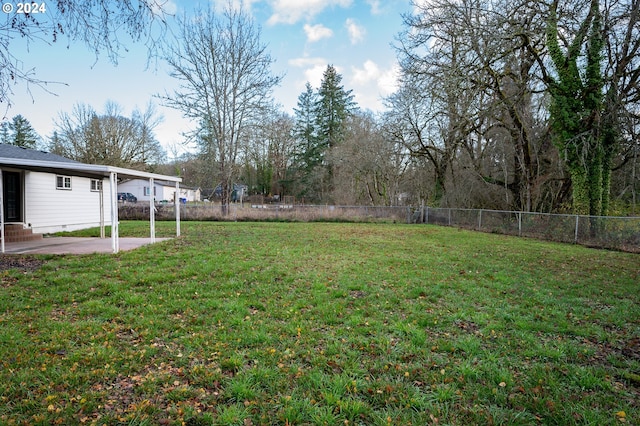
x=92 y=169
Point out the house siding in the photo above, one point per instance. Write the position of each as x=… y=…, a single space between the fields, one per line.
x=167 y=193
x=48 y=209
x=136 y=187
x=190 y=194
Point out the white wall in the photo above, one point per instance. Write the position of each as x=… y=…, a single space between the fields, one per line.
x=165 y=193
x=136 y=187
x=48 y=209
x=190 y=194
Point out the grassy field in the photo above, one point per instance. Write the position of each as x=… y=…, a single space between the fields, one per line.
x=336 y=324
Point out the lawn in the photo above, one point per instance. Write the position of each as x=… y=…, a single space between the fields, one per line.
x=322 y=323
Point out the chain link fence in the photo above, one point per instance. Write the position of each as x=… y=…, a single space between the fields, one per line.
x=619 y=233
x=274 y=212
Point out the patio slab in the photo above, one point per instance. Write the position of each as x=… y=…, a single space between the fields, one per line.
x=75 y=245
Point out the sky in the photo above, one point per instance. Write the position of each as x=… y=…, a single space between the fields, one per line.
x=302 y=37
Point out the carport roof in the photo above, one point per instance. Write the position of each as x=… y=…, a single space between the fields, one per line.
x=30 y=159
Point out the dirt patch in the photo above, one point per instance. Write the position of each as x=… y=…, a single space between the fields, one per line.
x=631 y=349
x=22 y=263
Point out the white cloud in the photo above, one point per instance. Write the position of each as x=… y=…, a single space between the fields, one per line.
x=356 y=32
x=313 y=68
x=317 y=32
x=375 y=7
x=314 y=74
x=305 y=62
x=368 y=73
x=388 y=80
x=220 y=5
x=373 y=84
x=291 y=11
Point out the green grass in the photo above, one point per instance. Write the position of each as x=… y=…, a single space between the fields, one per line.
x=323 y=323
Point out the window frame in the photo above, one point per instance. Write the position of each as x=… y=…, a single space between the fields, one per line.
x=63 y=183
x=96 y=185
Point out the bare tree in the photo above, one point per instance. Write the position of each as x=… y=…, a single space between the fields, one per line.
x=474 y=66
x=268 y=155
x=146 y=121
x=226 y=83
x=369 y=166
x=425 y=127
x=110 y=138
x=99 y=24
x=532 y=73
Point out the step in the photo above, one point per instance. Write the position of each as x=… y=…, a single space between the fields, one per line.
x=17 y=234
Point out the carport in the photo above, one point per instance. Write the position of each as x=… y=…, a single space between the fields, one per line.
x=94 y=171
x=75 y=245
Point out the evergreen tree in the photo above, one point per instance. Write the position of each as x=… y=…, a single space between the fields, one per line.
x=320 y=125
x=4 y=133
x=304 y=129
x=22 y=133
x=307 y=154
x=333 y=107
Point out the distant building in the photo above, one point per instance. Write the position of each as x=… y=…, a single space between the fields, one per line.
x=162 y=191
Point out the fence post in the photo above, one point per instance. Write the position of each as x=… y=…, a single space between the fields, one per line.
x=449 y=216
x=408 y=215
x=519 y=224
x=575 y=240
x=480 y=220
x=427 y=216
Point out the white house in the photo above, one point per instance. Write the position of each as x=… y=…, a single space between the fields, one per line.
x=161 y=191
x=47 y=193
x=190 y=194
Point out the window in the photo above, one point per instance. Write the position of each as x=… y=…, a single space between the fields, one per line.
x=147 y=191
x=96 y=185
x=63 y=182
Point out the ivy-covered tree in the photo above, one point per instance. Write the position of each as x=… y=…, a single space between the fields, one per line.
x=576 y=111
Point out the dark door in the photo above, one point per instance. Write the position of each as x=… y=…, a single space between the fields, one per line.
x=12 y=196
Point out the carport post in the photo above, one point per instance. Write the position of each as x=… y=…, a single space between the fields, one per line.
x=176 y=203
x=113 y=192
x=152 y=210
x=101 y=209
x=2 y=213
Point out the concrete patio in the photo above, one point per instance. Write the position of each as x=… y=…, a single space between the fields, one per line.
x=75 y=245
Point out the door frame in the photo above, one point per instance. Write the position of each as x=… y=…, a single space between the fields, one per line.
x=16 y=196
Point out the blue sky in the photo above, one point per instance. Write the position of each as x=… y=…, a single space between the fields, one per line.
x=303 y=37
